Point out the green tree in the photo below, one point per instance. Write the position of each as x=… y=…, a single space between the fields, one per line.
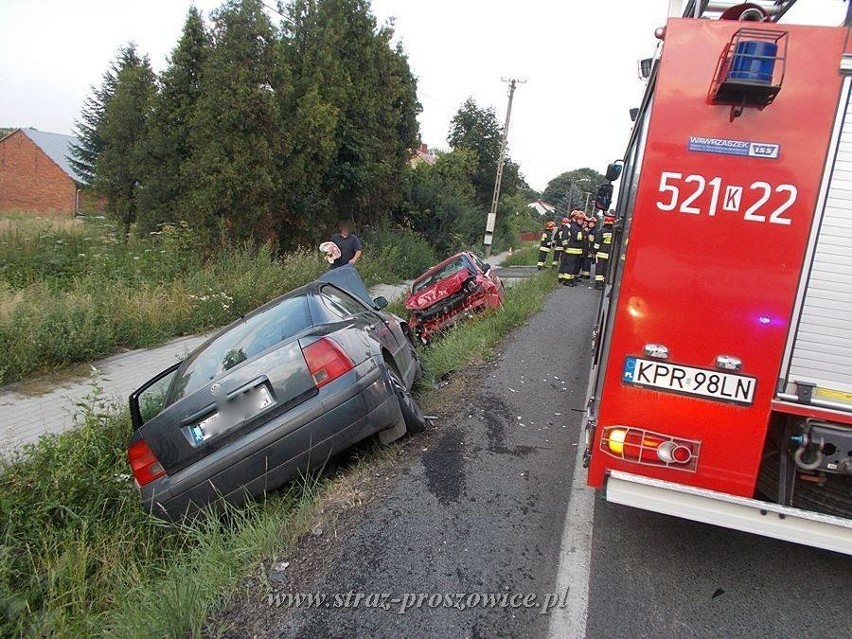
x=168 y=148
x=440 y=201
x=121 y=136
x=351 y=117
x=87 y=128
x=477 y=129
x=564 y=196
x=235 y=135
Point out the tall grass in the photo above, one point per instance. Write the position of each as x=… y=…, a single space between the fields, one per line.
x=75 y=292
x=79 y=557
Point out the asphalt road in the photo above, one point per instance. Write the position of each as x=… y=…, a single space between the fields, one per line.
x=483 y=510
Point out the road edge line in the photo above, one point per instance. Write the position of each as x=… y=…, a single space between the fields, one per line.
x=575 y=555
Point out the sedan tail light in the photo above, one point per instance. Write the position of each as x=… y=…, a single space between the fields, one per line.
x=144 y=464
x=326 y=361
x=645 y=447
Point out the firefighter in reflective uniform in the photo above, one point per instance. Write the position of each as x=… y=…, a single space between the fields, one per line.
x=557 y=244
x=603 y=246
x=572 y=254
x=589 y=247
x=545 y=244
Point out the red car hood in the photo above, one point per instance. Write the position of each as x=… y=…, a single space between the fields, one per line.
x=438 y=291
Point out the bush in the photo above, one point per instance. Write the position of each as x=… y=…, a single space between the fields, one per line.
x=394 y=253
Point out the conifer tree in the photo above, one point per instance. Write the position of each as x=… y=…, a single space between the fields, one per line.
x=121 y=131
x=164 y=197
x=235 y=135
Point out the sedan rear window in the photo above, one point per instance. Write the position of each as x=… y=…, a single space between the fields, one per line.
x=242 y=342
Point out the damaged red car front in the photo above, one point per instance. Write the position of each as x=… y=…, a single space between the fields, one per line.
x=452 y=290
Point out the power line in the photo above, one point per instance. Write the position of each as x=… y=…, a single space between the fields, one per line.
x=293 y=24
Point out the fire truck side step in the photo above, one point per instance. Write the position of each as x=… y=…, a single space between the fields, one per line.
x=728 y=511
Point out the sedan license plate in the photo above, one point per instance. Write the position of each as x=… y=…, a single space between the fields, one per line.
x=687 y=380
x=236 y=411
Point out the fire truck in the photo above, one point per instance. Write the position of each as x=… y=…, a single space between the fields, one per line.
x=721 y=387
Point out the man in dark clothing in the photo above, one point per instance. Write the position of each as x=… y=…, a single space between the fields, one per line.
x=603 y=245
x=574 y=243
x=349 y=245
x=545 y=244
x=589 y=251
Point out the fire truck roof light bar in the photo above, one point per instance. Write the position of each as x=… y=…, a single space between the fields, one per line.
x=738 y=513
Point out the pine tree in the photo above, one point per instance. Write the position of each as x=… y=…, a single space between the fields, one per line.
x=122 y=130
x=360 y=120
x=87 y=127
x=235 y=138
x=163 y=197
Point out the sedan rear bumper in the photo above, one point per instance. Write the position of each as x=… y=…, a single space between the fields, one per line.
x=348 y=410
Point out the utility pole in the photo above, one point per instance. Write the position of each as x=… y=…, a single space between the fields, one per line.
x=492 y=215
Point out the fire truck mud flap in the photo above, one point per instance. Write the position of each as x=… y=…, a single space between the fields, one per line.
x=728 y=511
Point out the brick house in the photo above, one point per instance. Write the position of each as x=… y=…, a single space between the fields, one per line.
x=36 y=176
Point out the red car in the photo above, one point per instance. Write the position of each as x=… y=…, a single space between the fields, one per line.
x=454 y=289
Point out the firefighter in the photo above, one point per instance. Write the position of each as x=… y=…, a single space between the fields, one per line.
x=589 y=247
x=603 y=246
x=545 y=244
x=572 y=244
x=557 y=244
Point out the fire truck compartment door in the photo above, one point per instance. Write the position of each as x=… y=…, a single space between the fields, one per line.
x=820 y=368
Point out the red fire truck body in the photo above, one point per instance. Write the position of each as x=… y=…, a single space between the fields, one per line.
x=728 y=309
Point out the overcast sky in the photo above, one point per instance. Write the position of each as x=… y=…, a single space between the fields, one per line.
x=578 y=57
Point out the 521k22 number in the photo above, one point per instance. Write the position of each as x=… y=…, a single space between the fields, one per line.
x=681 y=193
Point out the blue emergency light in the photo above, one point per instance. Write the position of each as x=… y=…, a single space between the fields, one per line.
x=753 y=61
x=751 y=69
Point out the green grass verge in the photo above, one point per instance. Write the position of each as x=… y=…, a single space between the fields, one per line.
x=80 y=558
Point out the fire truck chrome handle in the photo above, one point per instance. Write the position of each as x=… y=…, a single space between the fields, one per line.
x=728 y=363
x=657 y=351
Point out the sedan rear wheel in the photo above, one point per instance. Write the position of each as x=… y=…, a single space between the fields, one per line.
x=411 y=413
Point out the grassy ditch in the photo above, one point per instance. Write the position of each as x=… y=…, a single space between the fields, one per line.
x=80 y=559
x=73 y=291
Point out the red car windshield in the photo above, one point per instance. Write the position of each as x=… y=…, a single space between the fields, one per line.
x=444 y=272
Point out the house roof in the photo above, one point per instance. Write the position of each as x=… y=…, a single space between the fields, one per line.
x=57 y=147
x=422 y=154
x=541 y=204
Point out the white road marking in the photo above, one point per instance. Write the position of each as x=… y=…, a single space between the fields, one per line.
x=575 y=557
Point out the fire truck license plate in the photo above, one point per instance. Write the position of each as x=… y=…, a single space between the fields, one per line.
x=689 y=381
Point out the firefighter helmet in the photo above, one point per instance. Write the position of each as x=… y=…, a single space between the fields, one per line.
x=550 y=225
x=609 y=219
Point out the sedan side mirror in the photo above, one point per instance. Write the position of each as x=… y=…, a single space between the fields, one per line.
x=487 y=267
x=380 y=303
